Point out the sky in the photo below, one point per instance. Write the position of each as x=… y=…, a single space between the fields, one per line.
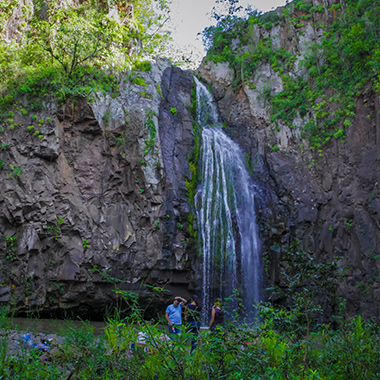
x=190 y=17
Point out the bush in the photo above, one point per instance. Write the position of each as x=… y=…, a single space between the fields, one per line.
x=237 y=351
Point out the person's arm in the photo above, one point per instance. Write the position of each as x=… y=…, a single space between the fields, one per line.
x=184 y=302
x=167 y=318
x=186 y=313
x=212 y=318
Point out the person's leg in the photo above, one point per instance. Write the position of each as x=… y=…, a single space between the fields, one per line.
x=172 y=331
x=194 y=331
x=193 y=344
x=190 y=328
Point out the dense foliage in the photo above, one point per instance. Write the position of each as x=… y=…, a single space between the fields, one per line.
x=236 y=352
x=75 y=50
x=336 y=70
x=286 y=342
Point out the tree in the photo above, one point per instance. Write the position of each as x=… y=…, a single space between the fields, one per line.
x=90 y=33
x=73 y=37
x=226 y=8
x=73 y=48
x=305 y=286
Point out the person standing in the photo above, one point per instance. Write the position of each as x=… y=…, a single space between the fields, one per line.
x=173 y=315
x=192 y=316
x=217 y=315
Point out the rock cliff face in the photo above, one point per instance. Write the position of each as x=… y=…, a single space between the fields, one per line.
x=330 y=203
x=98 y=193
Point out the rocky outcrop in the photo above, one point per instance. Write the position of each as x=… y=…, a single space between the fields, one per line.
x=14 y=18
x=95 y=191
x=329 y=202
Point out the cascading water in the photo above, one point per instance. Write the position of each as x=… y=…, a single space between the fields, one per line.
x=226 y=217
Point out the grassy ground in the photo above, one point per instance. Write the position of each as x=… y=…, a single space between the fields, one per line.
x=237 y=352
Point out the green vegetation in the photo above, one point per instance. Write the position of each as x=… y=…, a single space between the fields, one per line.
x=305 y=285
x=193 y=179
x=158 y=89
x=54 y=230
x=10 y=248
x=16 y=172
x=270 y=350
x=288 y=342
x=106 y=117
x=339 y=68
x=139 y=81
x=149 y=124
x=120 y=141
x=76 y=50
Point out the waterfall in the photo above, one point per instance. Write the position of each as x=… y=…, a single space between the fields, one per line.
x=225 y=207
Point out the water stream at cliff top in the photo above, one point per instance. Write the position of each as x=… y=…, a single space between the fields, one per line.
x=229 y=239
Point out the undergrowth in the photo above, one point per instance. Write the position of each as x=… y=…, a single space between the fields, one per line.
x=282 y=344
x=235 y=352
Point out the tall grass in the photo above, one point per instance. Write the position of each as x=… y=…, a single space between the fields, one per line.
x=236 y=352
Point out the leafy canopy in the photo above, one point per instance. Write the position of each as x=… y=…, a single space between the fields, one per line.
x=67 y=50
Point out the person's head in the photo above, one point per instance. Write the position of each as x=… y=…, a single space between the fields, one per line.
x=218 y=303
x=176 y=301
x=194 y=299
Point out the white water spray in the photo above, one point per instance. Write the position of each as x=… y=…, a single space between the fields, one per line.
x=226 y=216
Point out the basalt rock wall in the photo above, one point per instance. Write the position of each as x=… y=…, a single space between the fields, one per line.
x=93 y=193
x=329 y=202
x=93 y=198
